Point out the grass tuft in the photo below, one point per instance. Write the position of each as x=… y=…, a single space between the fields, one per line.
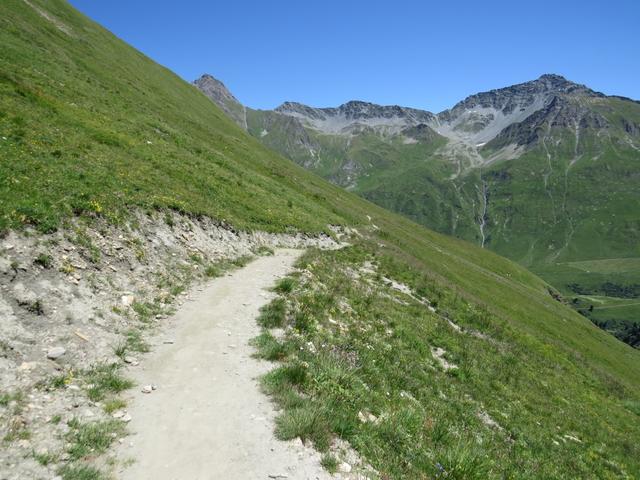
x=269 y=347
x=264 y=251
x=329 y=462
x=285 y=285
x=44 y=260
x=305 y=422
x=89 y=439
x=273 y=315
x=104 y=379
x=81 y=472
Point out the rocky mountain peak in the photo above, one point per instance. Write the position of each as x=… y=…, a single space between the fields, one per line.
x=554 y=83
x=221 y=96
x=212 y=87
x=481 y=117
x=521 y=95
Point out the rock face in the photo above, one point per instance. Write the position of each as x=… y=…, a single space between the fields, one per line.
x=221 y=96
x=513 y=112
x=354 y=115
x=516 y=97
x=558 y=112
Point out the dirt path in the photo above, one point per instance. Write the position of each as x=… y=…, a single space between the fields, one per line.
x=207 y=419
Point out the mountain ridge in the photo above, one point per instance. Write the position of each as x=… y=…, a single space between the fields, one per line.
x=475 y=129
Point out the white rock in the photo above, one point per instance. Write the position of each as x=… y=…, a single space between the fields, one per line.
x=131 y=360
x=344 y=467
x=28 y=366
x=56 y=352
x=147 y=389
x=126 y=300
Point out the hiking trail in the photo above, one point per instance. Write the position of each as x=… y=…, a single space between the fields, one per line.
x=207 y=418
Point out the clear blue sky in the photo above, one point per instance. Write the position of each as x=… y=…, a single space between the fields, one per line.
x=416 y=53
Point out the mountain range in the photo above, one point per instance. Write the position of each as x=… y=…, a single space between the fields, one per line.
x=544 y=172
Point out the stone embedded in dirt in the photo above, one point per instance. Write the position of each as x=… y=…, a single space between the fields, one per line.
x=27 y=366
x=131 y=360
x=126 y=300
x=126 y=418
x=366 y=417
x=344 y=467
x=147 y=389
x=118 y=414
x=56 y=352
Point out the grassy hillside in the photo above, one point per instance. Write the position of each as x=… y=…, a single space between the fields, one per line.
x=90 y=127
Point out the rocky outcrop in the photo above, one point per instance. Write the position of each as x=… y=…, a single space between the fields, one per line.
x=217 y=92
x=353 y=115
x=559 y=113
x=421 y=133
x=510 y=99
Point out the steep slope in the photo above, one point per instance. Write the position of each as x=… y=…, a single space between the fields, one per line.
x=109 y=152
x=542 y=172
